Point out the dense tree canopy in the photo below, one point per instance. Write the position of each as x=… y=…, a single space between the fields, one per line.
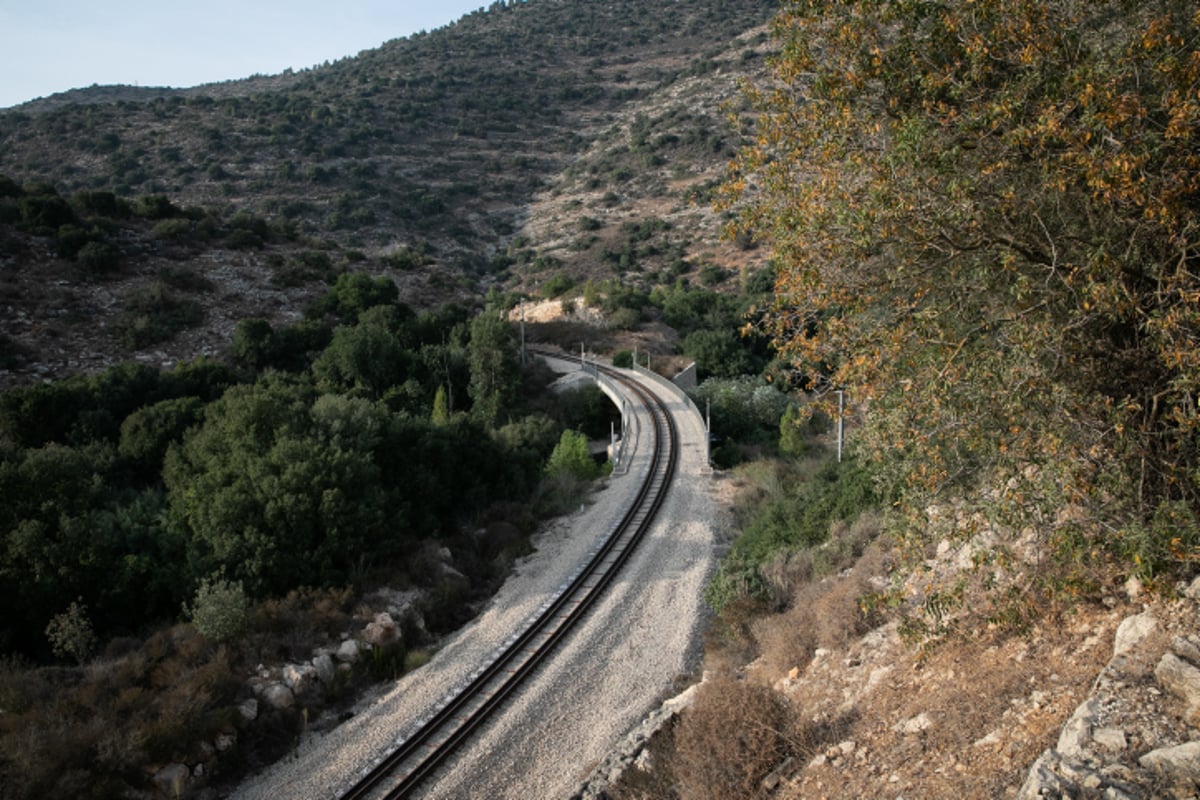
x=985 y=220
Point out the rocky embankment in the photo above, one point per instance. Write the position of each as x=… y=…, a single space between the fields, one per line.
x=1137 y=735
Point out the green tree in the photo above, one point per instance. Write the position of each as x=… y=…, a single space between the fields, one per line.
x=252 y=342
x=495 y=369
x=220 y=609
x=720 y=353
x=71 y=634
x=571 y=457
x=441 y=408
x=147 y=432
x=792 y=430
x=365 y=358
x=280 y=487
x=355 y=292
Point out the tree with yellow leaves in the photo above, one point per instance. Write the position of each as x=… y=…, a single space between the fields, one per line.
x=985 y=217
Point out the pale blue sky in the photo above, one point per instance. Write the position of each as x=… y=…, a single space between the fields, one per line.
x=49 y=46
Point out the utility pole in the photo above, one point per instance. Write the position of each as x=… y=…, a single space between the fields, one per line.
x=840 y=422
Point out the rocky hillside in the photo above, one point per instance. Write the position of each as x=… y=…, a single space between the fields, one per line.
x=502 y=150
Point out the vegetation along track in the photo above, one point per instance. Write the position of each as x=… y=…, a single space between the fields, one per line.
x=418 y=756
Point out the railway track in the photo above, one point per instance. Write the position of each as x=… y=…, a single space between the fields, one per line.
x=418 y=755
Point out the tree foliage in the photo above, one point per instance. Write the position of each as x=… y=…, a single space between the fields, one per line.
x=984 y=216
x=495 y=367
x=571 y=457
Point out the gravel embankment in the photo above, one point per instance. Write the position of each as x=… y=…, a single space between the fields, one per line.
x=621 y=663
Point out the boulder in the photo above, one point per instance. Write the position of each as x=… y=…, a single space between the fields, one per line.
x=1180 y=679
x=1181 y=763
x=348 y=652
x=1076 y=735
x=1187 y=648
x=300 y=677
x=278 y=696
x=1133 y=631
x=249 y=710
x=323 y=664
x=382 y=632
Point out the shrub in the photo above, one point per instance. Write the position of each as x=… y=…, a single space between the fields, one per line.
x=71 y=634
x=153 y=315
x=732 y=737
x=571 y=456
x=98 y=257
x=556 y=285
x=624 y=319
x=221 y=609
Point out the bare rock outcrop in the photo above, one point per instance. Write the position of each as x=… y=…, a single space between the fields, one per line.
x=1138 y=734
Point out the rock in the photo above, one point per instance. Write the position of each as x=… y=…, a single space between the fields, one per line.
x=278 y=696
x=348 y=652
x=383 y=631
x=1187 y=648
x=323 y=664
x=645 y=761
x=1054 y=776
x=1133 y=631
x=1180 y=679
x=172 y=779
x=1192 y=592
x=919 y=723
x=224 y=741
x=1133 y=588
x=772 y=781
x=1110 y=738
x=300 y=677
x=249 y=710
x=1181 y=763
x=1077 y=733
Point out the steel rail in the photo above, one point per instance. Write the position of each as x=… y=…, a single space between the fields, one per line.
x=460 y=715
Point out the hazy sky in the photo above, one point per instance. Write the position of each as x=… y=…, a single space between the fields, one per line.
x=49 y=46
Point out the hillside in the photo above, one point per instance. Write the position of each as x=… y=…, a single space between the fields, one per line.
x=499 y=150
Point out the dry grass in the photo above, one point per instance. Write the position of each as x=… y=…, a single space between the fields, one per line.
x=824 y=613
x=732 y=737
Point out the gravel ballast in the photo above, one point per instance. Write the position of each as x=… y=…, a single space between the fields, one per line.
x=625 y=658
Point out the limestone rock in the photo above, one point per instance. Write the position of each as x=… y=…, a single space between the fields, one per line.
x=348 y=652
x=1077 y=733
x=300 y=677
x=919 y=723
x=1133 y=631
x=323 y=665
x=1187 y=648
x=249 y=710
x=383 y=631
x=278 y=696
x=224 y=741
x=1110 y=738
x=1181 y=763
x=1179 y=678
